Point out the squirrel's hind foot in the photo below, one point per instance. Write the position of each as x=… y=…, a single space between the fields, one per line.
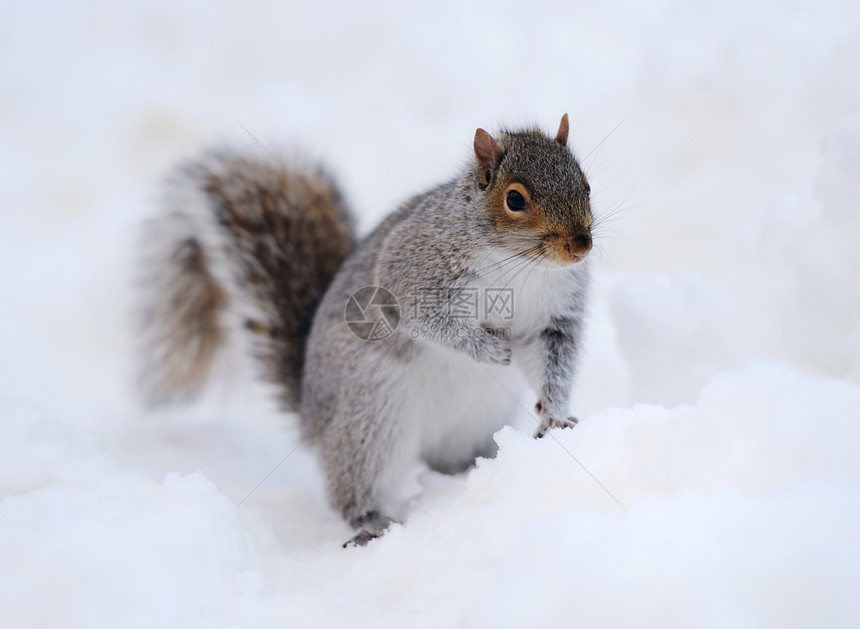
x=362 y=538
x=370 y=526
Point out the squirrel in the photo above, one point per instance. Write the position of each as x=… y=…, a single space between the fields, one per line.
x=393 y=350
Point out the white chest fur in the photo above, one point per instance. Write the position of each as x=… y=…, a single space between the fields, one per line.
x=521 y=296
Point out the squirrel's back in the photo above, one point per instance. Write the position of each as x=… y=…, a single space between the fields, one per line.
x=244 y=245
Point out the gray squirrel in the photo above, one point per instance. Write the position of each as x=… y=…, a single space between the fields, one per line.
x=394 y=350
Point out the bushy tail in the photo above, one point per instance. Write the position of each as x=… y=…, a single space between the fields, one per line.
x=245 y=245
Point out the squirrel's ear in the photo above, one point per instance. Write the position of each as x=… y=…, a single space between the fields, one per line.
x=563 y=130
x=488 y=152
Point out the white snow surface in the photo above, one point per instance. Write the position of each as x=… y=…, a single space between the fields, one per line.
x=714 y=479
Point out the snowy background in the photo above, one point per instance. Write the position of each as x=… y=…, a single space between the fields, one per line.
x=720 y=394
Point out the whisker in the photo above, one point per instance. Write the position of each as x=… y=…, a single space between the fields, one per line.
x=612 y=215
x=523 y=261
x=532 y=260
x=500 y=270
x=534 y=266
x=528 y=267
x=499 y=279
x=499 y=265
x=503 y=260
x=599 y=144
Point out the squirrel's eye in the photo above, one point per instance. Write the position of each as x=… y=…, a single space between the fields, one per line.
x=516 y=201
x=587 y=188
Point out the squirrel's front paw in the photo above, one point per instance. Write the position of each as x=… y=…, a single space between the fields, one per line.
x=494 y=350
x=547 y=422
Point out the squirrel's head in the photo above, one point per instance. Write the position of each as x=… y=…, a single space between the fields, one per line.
x=536 y=194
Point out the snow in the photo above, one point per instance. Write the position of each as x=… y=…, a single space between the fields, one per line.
x=714 y=478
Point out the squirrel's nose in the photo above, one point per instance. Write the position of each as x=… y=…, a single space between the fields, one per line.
x=578 y=246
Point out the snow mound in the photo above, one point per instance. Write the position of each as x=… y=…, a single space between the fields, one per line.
x=740 y=509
